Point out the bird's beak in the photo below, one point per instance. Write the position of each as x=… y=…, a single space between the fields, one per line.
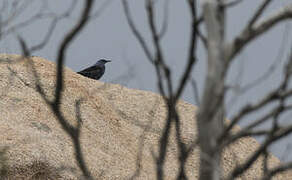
x=108 y=61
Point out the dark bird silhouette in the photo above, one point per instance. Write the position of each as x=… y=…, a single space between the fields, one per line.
x=95 y=71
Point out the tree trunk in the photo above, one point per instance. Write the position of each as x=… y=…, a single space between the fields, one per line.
x=211 y=113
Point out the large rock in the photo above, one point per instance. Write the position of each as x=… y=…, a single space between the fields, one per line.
x=121 y=128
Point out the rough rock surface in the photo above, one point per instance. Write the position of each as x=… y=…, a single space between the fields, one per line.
x=119 y=125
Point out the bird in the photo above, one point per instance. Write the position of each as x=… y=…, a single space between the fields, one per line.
x=96 y=71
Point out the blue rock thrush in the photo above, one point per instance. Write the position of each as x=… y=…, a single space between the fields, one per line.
x=95 y=71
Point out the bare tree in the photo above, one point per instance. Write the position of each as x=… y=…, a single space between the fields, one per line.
x=213 y=134
x=73 y=132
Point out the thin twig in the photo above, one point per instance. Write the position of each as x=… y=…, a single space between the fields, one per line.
x=135 y=31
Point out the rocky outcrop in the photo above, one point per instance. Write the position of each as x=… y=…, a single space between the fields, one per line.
x=120 y=128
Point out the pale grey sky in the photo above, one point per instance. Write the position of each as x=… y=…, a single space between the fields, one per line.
x=109 y=36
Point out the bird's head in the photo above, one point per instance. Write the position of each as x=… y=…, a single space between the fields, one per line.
x=102 y=61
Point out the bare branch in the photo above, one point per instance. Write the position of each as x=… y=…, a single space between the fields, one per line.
x=196 y=91
x=101 y=9
x=55 y=105
x=232 y=3
x=271 y=97
x=136 y=32
x=70 y=9
x=78 y=112
x=63 y=48
x=233 y=48
x=25 y=23
x=258 y=13
x=72 y=131
x=270 y=114
x=165 y=20
x=202 y=37
x=160 y=65
x=279 y=133
x=191 y=52
x=262 y=78
x=26 y=53
x=276 y=131
x=17 y=10
x=47 y=36
x=276 y=170
x=183 y=155
x=161 y=69
x=265 y=161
